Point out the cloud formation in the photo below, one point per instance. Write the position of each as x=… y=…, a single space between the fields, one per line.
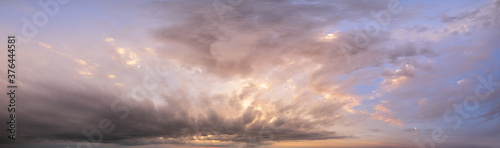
x=270 y=72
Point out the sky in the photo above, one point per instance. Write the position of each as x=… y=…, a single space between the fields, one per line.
x=253 y=73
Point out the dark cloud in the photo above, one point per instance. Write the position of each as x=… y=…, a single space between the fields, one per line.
x=68 y=111
x=258 y=35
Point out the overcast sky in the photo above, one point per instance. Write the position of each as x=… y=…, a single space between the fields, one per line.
x=254 y=73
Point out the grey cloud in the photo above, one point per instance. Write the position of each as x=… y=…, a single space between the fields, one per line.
x=181 y=118
x=272 y=30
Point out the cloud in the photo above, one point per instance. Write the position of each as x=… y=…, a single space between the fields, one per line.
x=270 y=71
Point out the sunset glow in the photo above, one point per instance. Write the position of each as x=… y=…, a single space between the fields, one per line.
x=250 y=73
